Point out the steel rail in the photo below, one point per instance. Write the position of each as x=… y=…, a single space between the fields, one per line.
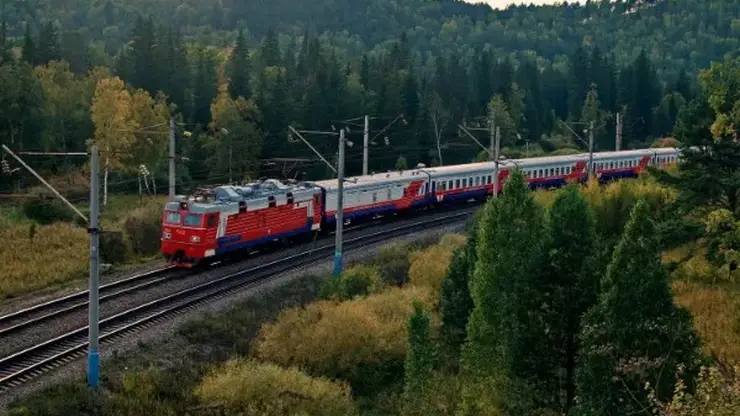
x=9 y=323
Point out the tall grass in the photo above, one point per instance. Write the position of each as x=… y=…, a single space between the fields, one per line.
x=716 y=312
x=34 y=257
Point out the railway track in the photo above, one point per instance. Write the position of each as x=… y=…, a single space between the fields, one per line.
x=36 y=360
x=37 y=314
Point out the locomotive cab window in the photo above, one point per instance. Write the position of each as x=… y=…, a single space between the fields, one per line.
x=211 y=221
x=173 y=218
x=192 y=220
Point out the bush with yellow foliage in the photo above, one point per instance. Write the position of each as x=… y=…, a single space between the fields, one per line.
x=613 y=203
x=245 y=387
x=429 y=267
x=361 y=340
x=717 y=394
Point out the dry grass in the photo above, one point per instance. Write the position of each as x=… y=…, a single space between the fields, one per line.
x=248 y=388
x=716 y=312
x=56 y=254
x=342 y=339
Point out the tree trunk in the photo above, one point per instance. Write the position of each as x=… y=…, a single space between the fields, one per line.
x=438 y=136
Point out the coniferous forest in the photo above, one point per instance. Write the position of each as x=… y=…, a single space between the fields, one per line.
x=595 y=299
x=234 y=75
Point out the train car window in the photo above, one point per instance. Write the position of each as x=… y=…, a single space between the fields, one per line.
x=192 y=220
x=173 y=218
x=465 y=182
x=490 y=179
x=457 y=183
x=470 y=181
x=389 y=194
x=375 y=197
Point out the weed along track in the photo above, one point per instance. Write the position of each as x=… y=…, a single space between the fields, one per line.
x=53 y=352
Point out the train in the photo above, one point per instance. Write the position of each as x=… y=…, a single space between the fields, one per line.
x=226 y=220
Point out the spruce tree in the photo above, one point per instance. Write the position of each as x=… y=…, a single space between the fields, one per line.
x=239 y=69
x=501 y=359
x=47 y=49
x=635 y=334
x=456 y=303
x=29 y=48
x=5 y=53
x=572 y=283
x=270 y=50
x=419 y=364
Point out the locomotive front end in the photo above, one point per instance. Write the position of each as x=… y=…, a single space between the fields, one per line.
x=188 y=235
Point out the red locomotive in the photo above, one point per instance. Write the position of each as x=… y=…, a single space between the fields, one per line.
x=230 y=218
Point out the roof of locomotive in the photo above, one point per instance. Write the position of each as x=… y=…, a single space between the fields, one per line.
x=214 y=199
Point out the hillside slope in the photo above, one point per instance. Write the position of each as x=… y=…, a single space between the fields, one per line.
x=679 y=34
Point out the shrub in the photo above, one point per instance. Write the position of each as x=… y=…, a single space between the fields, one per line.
x=249 y=388
x=113 y=246
x=146 y=391
x=565 y=151
x=392 y=262
x=665 y=142
x=362 y=340
x=47 y=210
x=59 y=400
x=717 y=393
x=225 y=334
x=429 y=267
x=143 y=228
x=613 y=203
x=355 y=281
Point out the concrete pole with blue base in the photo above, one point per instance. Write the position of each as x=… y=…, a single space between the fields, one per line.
x=340 y=207
x=93 y=358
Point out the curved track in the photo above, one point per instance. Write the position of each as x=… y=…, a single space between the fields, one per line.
x=36 y=360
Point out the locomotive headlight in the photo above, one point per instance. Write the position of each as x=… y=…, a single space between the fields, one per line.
x=166 y=236
x=195 y=239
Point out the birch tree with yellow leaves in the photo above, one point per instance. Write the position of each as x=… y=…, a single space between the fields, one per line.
x=112 y=111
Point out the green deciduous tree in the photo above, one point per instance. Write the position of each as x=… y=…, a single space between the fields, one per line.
x=635 y=334
x=236 y=144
